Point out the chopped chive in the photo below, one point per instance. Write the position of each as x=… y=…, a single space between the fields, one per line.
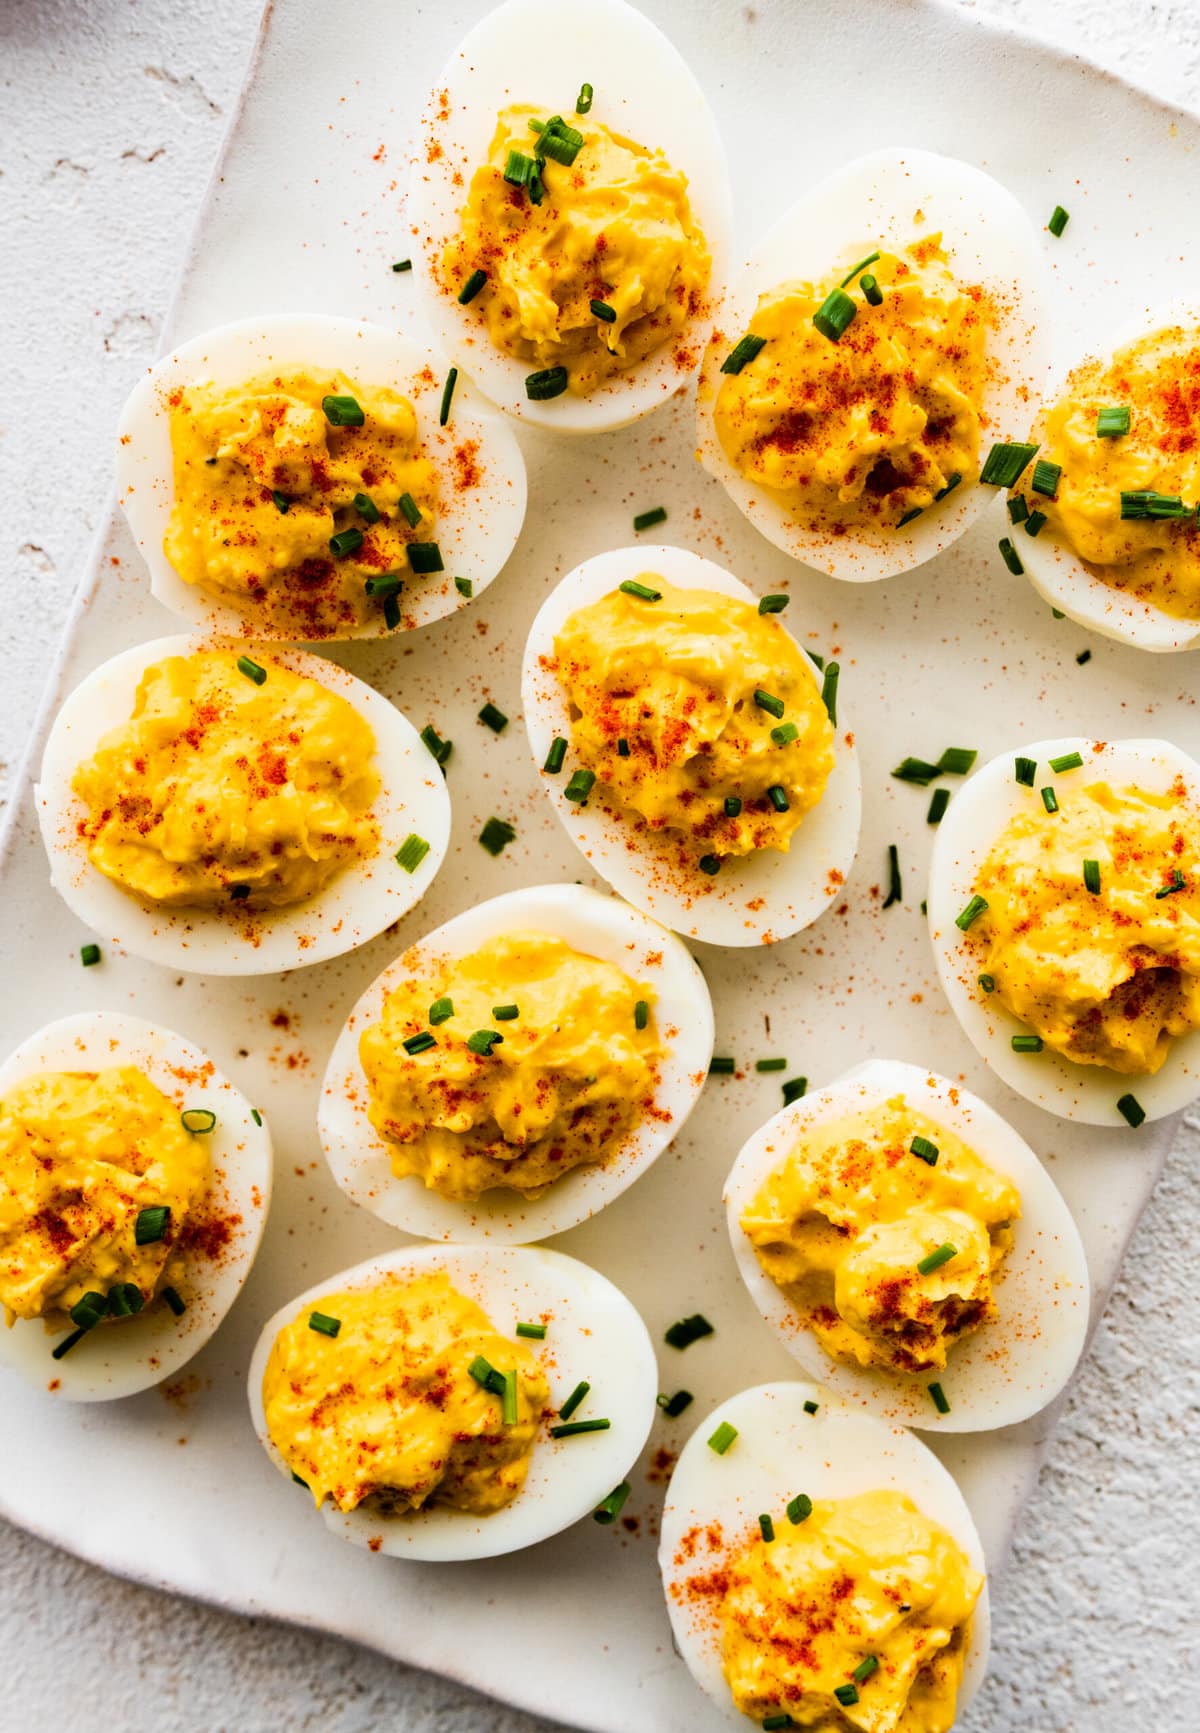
x=938 y=802
x=602 y=311
x=424 y=557
x=835 y=315
x=296 y=1478
x=239 y=893
x=496 y=835
x=281 y=502
x=175 y=1300
x=1177 y=883
x=770 y=1065
x=918 y=770
x=766 y=1527
x=794 y=1089
x=957 y=760
x=125 y=1300
x=579 y=786
x=799 y=1509
x=412 y=852
x=1011 y=557
x=895 y=888
x=868 y=1665
x=722 y=1438
x=687 y=1331
x=939 y=1399
x=1027 y=1044
x=732 y=805
x=534 y=1332
x=643 y=592
x=610 y=1508
x=508 y=1399
x=438 y=748
x=89 y=955
x=198 y=1120
x=410 y=508
x=1112 y=421
x=68 y=1342
x=913 y=512
x=721 y=1066
x=781 y=1720
x=935 y=1259
x=1018 y=510
x=323 y=1324
x=419 y=1043
x=575 y=1426
x=345 y=542
x=402 y=265
x=1068 y=761
x=560 y=142
x=252 y=670
x=384 y=584
x=777 y=795
x=151 y=1224
x=987 y=983
x=483 y=1040
x=710 y=865
x=829 y=688
x=1049 y=800
x=1083 y=656
x=768 y=702
x=772 y=604
x=343 y=411
x=1131 y=1109
x=391 y=610
x=583 y=102
x=574 y=1399
x=971 y=913
x=1091 y=876
x=441 y=1011
x=556 y=756
x=743 y=352
x=622 y=747
x=873 y=295
x=673 y=1406
x=810 y=1407
x=1146 y=503
x=952 y=482
x=1058 y=221
x=859 y=268
x=519 y=170
x=1024 y=770
x=549 y=382
x=494 y=719
x=444 y=411
x=1046 y=477
x=1005 y=463
x=482 y=1370
x=464 y=586
x=925 y=1151
x=641 y=1014
x=505 y=1013
x=366 y=508
x=88 y=1310
x=647 y=519
x=846 y=1694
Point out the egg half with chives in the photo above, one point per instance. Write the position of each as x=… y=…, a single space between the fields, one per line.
x=860 y=1133
x=150 y=1334
x=582 y=301
x=1063 y=895
x=698 y=851
x=300 y=477
x=237 y=809
x=587 y=1398
x=748 y=1479
x=851 y=433
x=566 y=1092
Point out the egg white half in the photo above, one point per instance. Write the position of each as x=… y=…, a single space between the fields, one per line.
x=363 y=899
x=873 y=203
x=1056 y=571
x=599 y=926
x=131 y=1354
x=997 y=1375
x=542 y=51
x=476 y=528
x=962 y=841
x=780 y=1451
x=593 y=1333
x=751 y=901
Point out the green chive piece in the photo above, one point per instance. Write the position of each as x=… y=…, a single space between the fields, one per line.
x=799 y=1509
x=646 y=520
x=687 y=1331
x=402 y=265
x=1068 y=761
x=1091 y=876
x=419 y=1043
x=913 y=512
x=987 y=983
x=873 y=295
x=560 y=142
x=766 y=1065
x=1025 y=769
x=574 y=1399
x=1049 y=800
x=772 y=604
x=785 y=734
x=1027 y=1043
x=483 y=1040
x=1035 y=523
x=239 y=893
x=777 y=795
x=323 y=1324
x=1131 y=1109
x=846 y=1694
x=579 y=786
x=496 y=835
x=835 y=315
x=424 y=557
x=439 y=749
x=296 y=1478
x=482 y=1370
x=925 y=1151
x=412 y=852
x=1083 y=656
x=895 y=888
x=732 y=805
x=641 y=1014
x=343 y=411
x=533 y=1332
x=519 y=170
x=938 y=1396
x=494 y=719
x=89 y=955
x=1018 y=510
x=720 y=1065
x=610 y=1508
x=710 y=865
x=829 y=688
x=859 y=268
x=175 y=1300
x=953 y=481
x=631 y=587
x=252 y=670
x=938 y=802
x=506 y=1013
x=673 y=1406
x=198 y=1120
x=89 y=1309
x=794 y=1089
x=583 y=102
x=345 y=542
x=1112 y=421
x=1178 y=882
x=971 y=913
x=722 y=1438
x=768 y=702
x=868 y=1665
x=576 y=1426
x=1046 y=477
x=549 y=382
x=1058 y=221
x=556 y=756
x=935 y=1259
x=1145 y=503
x=366 y=508
x=391 y=611
x=957 y=761
x=810 y=1407
x=151 y=1224
x=1004 y=464
x=411 y=509
x=384 y=584
x=464 y=586
x=125 y=1300
x=743 y=352
x=441 y=1011
x=281 y=502
x=67 y=1343
x=602 y=311
x=766 y=1527
x=1011 y=557
x=508 y=1399
x=622 y=748
x=918 y=770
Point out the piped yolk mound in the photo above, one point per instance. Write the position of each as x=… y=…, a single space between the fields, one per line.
x=220 y=791
x=1155 y=558
x=82 y=1153
x=842 y=1224
x=569 y=1077
x=1110 y=978
x=387 y=1411
x=878 y=424
x=863 y=1579
x=614 y=226
x=265 y=482
x=664 y=712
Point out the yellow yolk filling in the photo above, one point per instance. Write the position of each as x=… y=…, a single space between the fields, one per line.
x=387 y=1410
x=216 y=782
x=863 y=430
x=571 y=1077
x=614 y=226
x=82 y=1153
x=842 y=1224
x=675 y=680
x=1110 y=978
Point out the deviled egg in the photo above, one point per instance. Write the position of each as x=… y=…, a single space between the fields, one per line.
x=909 y=1248
x=821 y=1568
x=1106 y=511
x=134 y=1185
x=516 y=1069
x=692 y=749
x=886 y=332
x=1064 y=908
x=301 y=477
x=571 y=199
x=455 y=1402
x=237 y=810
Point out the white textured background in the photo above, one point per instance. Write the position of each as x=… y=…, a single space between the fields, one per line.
x=111 y=118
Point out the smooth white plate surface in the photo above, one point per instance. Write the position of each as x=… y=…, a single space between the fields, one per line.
x=948 y=655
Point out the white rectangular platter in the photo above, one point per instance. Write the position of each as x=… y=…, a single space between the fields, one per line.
x=306 y=214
